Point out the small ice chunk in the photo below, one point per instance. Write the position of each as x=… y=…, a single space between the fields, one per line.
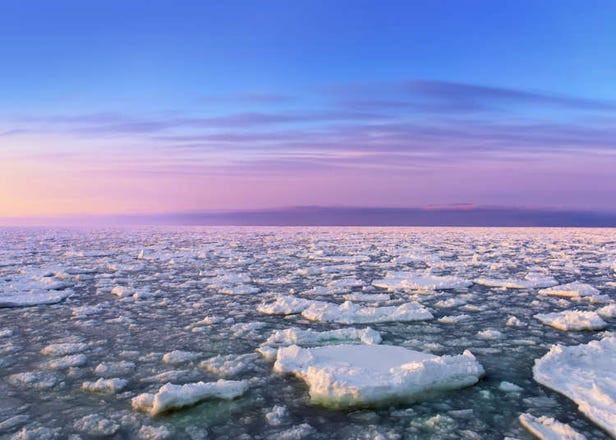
x=64 y=349
x=350 y=313
x=608 y=312
x=584 y=373
x=454 y=319
x=148 y=432
x=39 y=380
x=120 y=368
x=171 y=396
x=514 y=321
x=122 y=291
x=509 y=387
x=489 y=334
x=570 y=290
x=285 y=305
x=368 y=297
x=241 y=289
x=547 y=428
x=572 y=320
x=72 y=360
x=229 y=365
x=177 y=357
x=276 y=416
x=351 y=375
x=96 y=425
x=113 y=385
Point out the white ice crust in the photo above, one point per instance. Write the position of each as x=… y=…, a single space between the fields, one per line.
x=351 y=313
x=352 y=375
x=572 y=320
x=546 y=428
x=171 y=396
x=584 y=373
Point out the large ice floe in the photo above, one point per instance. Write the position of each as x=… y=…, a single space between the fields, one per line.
x=573 y=320
x=361 y=375
x=351 y=313
x=172 y=396
x=586 y=374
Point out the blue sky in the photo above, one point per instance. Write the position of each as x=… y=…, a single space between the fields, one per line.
x=218 y=90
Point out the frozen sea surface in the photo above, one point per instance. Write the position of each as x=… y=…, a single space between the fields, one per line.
x=94 y=325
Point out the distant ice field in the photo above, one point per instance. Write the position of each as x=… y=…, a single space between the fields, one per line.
x=307 y=333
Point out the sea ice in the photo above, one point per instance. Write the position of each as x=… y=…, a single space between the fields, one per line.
x=64 y=349
x=608 y=312
x=584 y=373
x=350 y=313
x=572 y=320
x=285 y=305
x=546 y=428
x=570 y=290
x=352 y=375
x=172 y=396
x=96 y=425
x=531 y=281
x=112 y=385
x=368 y=297
x=177 y=357
x=408 y=281
x=229 y=365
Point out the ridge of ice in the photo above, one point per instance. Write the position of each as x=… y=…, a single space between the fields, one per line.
x=285 y=305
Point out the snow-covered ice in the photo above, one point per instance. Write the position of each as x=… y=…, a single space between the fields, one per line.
x=585 y=373
x=358 y=375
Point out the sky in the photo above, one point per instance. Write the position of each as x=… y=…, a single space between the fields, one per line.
x=136 y=107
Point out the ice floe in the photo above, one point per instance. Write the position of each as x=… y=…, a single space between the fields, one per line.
x=358 y=375
x=101 y=385
x=285 y=305
x=229 y=365
x=584 y=373
x=547 y=428
x=570 y=290
x=572 y=320
x=531 y=281
x=351 y=313
x=172 y=396
x=409 y=281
